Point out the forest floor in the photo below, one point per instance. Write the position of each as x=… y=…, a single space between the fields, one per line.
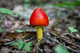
x=19 y=27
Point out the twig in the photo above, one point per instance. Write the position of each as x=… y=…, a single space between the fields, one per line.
x=61 y=44
x=38 y=44
x=9 y=43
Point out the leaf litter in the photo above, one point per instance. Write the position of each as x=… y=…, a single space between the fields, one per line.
x=14 y=29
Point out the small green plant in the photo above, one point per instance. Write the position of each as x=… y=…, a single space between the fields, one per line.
x=69 y=5
x=65 y=5
x=3 y=12
x=58 y=16
x=60 y=49
x=21 y=45
x=72 y=29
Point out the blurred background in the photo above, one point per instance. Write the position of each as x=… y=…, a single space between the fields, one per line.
x=10 y=4
x=22 y=9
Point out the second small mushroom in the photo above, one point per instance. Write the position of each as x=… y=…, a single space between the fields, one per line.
x=39 y=19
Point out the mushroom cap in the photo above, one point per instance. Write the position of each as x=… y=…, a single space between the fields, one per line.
x=39 y=18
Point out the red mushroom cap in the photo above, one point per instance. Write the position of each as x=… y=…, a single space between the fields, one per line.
x=39 y=18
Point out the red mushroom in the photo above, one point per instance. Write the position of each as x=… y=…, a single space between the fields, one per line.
x=39 y=18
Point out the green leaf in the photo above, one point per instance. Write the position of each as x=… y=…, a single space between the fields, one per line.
x=20 y=44
x=14 y=44
x=68 y=5
x=72 y=29
x=6 y=11
x=19 y=31
x=27 y=48
x=60 y=49
x=1 y=30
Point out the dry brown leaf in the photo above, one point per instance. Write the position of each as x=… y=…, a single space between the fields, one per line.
x=17 y=35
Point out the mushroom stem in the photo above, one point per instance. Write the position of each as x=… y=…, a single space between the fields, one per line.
x=39 y=33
